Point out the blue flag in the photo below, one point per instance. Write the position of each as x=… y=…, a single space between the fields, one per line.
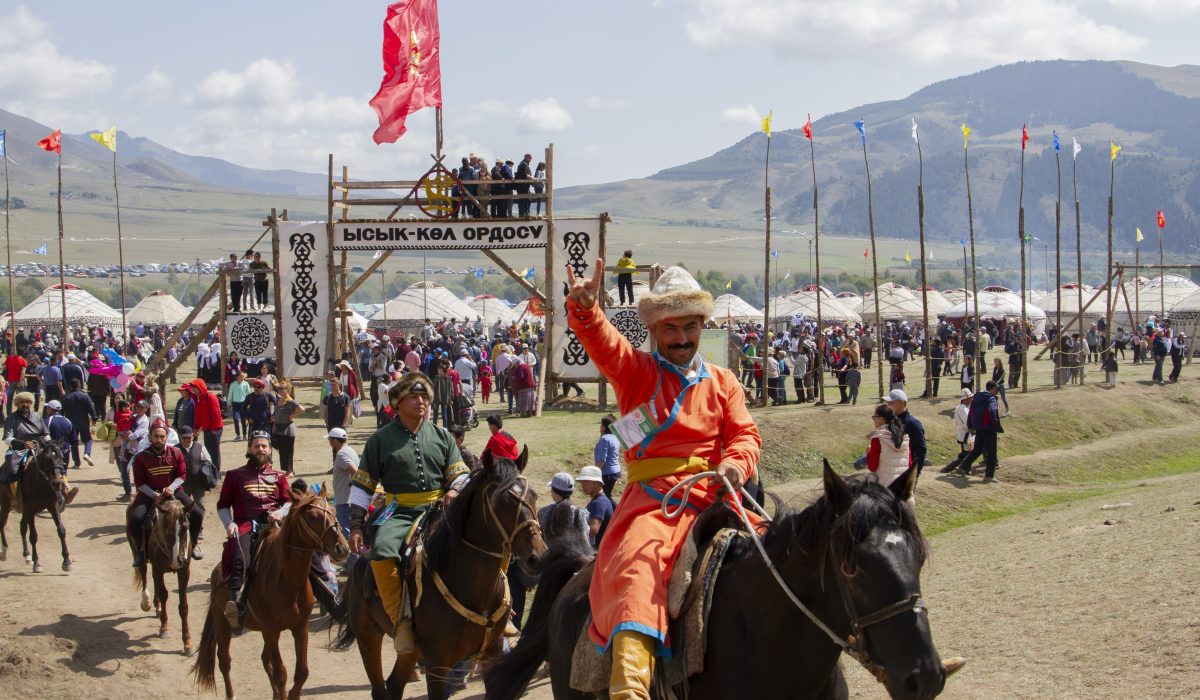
x=962 y=242
x=775 y=254
x=2 y=151
x=861 y=125
x=530 y=273
x=41 y=250
x=479 y=272
x=1057 y=143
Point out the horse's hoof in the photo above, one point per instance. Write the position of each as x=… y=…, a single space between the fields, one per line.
x=28 y=559
x=66 y=566
x=4 y=554
x=145 y=602
x=164 y=634
x=37 y=568
x=189 y=651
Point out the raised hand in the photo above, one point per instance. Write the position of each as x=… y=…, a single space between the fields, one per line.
x=583 y=290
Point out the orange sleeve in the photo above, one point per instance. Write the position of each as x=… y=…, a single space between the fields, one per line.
x=742 y=443
x=625 y=367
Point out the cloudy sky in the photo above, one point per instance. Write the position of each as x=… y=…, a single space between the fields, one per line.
x=623 y=88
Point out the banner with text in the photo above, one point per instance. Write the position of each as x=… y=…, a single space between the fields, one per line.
x=304 y=287
x=422 y=236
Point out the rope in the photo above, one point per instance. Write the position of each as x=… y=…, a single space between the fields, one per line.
x=687 y=485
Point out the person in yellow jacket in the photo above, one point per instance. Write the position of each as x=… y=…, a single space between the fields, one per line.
x=680 y=416
x=626 y=269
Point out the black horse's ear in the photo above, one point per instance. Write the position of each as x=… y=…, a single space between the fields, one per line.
x=523 y=459
x=836 y=490
x=487 y=461
x=904 y=486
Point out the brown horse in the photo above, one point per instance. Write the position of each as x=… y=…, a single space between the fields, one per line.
x=278 y=597
x=460 y=601
x=41 y=482
x=168 y=549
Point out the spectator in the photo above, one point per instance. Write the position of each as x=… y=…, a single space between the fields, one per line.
x=626 y=269
x=209 y=419
x=966 y=440
x=79 y=409
x=283 y=431
x=897 y=400
x=239 y=392
x=998 y=377
x=466 y=369
x=607 y=455
x=196 y=457
x=259 y=407
x=469 y=458
x=888 y=454
x=345 y=464
x=485 y=381
x=235 y=283
x=561 y=518
x=337 y=407
x=500 y=444
x=984 y=420
x=247 y=282
x=261 y=284
x=443 y=395
x=600 y=507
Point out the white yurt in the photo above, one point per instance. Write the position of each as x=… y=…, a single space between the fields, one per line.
x=731 y=307
x=896 y=303
x=1185 y=318
x=1167 y=291
x=640 y=289
x=957 y=296
x=804 y=303
x=1000 y=305
x=157 y=309
x=491 y=309
x=357 y=322
x=1070 y=305
x=82 y=308
x=424 y=300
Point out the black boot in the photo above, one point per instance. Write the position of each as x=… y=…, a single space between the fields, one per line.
x=138 y=543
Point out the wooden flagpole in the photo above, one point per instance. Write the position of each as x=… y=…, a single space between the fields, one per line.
x=62 y=281
x=924 y=281
x=12 y=309
x=974 y=280
x=120 y=248
x=1057 y=268
x=1078 y=249
x=1162 y=293
x=817 y=369
x=1108 y=302
x=874 y=257
x=1136 y=316
x=766 y=345
x=1022 y=337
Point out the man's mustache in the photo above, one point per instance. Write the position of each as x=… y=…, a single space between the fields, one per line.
x=681 y=346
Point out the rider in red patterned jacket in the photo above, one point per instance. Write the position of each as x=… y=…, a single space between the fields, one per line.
x=158 y=473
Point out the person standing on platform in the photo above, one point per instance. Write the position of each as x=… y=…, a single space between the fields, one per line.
x=607 y=455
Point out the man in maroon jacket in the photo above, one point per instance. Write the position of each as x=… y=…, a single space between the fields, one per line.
x=251 y=495
x=158 y=473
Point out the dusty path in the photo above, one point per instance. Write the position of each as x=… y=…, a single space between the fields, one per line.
x=1054 y=603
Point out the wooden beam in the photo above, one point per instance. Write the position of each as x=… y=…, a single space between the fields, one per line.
x=183 y=325
x=545 y=366
x=187 y=351
x=1078 y=316
x=278 y=294
x=533 y=291
x=362 y=279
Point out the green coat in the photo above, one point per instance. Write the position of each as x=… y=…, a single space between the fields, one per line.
x=414 y=470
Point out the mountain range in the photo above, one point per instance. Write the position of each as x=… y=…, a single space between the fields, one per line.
x=1152 y=112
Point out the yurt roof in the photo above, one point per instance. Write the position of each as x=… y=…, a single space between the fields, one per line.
x=938 y=304
x=956 y=296
x=357 y=321
x=207 y=312
x=424 y=300
x=805 y=303
x=157 y=308
x=847 y=295
x=896 y=303
x=640 y=289
x=731 y=306
x=1000 y=305
x=82 y=307
x=491 y=309
x=1070 y=303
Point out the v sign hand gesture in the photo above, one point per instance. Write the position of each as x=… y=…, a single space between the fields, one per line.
x=585 y=291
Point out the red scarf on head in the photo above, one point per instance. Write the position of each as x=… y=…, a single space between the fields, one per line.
x=501 y=444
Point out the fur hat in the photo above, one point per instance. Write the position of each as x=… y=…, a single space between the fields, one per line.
x=676 y=294
x=411 y=383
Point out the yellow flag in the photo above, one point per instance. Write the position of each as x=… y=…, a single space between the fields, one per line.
x=966 y=132
x=108 y=139
x=767 y=123
x=907 y=257
x=1140 y=238
x=1114 y=148
x=729 y=284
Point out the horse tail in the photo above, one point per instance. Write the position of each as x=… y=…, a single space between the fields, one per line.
x=139 y=577
x=341 y=612
x=508 y=676
x=204 y=669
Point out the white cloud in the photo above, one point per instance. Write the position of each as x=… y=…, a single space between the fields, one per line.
x=264 y=82
x=485 y=110
x=1159 y=9
x=154 y=87
x=921 y=30
x=544 y=115
x=742 y=116
x=601 y=103
x=34 y=73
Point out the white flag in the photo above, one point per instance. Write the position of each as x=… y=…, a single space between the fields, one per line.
x=1076 y=146
x=914 y=133
x=789 y=274
x=377 y=254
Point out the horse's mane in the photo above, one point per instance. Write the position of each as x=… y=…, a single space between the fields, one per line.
x=273 y=548
x=447 y=531
x=809 y=530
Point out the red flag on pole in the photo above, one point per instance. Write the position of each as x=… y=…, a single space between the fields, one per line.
x=52 y=143
x=1162 y=221
x=807 y=128
x=412 y=70
x=866 y=252
x=1024 y=136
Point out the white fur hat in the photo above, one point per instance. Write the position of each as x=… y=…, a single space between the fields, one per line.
x=676 y=294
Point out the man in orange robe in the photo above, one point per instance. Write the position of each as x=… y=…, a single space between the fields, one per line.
x=700 y=423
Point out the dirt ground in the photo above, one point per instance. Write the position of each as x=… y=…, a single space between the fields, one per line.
x=1095 y=599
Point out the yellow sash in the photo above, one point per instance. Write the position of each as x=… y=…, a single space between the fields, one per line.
x=413 y=500
x=654 y=467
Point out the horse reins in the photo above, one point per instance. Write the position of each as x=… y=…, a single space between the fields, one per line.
x=854 y=645
x=318 y=537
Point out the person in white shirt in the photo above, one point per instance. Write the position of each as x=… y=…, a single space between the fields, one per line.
x=528 y=357
x=966 y=441
x=466 y=369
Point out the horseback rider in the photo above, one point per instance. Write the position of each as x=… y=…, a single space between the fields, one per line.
x=418 y=464
x=158 y=474
x=251 y=495
x=24 y=430
x=680 y=416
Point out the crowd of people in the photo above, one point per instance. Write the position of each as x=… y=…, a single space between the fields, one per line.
x=494 y=192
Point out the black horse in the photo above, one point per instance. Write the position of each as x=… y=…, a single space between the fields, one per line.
x=853 y=558
x=41 y=482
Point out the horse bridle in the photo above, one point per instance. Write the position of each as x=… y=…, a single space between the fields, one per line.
x=507 y=537
x=318 y=537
